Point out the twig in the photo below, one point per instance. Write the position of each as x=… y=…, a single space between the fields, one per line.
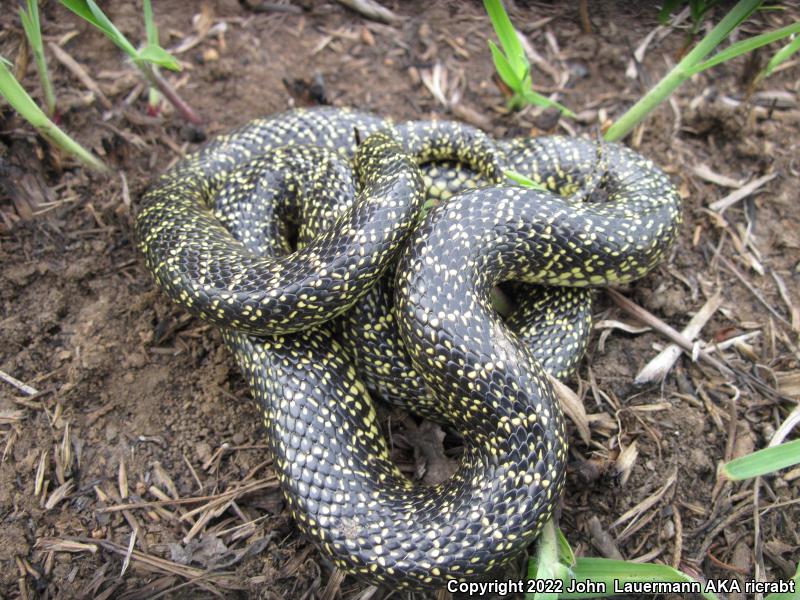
x=236 y=492
x=79 y=72
x=730 y=266
x=646 y=504
x=371 y=10
x=793 y=311
x=666 y=330
x=156 y=79
x=676 y=519
x=743 y=192
x=658 y=367
x=586 y=24
x=22 y=387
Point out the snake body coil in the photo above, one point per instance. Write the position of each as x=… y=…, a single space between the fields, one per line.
x=217 y=233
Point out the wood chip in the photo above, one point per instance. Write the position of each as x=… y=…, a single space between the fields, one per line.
x=602 y=540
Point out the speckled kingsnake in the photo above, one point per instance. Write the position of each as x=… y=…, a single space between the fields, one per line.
x=484 y=376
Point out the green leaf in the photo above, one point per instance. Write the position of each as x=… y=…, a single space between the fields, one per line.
x=30 y=23
x=780 y=57
x=762 y=462
x=565 y=553
x=508 y=36
x=504 y=69
x=530 y=183
x=149 y=23
x=611 y=572
x=88 y=10
x=20 y=101
x=745 y=46
x=157 y=55
x=788 y=595
x=545 y=565
x=536 y=98
x=681 y=72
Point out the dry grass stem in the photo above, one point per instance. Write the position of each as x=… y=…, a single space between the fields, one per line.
x=658 y=367
x=22 y=387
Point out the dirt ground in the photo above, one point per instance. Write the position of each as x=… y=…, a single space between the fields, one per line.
x=134 y=402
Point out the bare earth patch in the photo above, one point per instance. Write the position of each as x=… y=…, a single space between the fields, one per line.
x=137 y=468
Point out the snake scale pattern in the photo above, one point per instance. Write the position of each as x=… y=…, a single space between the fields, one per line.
x=299 y=236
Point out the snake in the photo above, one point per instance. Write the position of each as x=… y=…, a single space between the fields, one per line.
x=300 y=236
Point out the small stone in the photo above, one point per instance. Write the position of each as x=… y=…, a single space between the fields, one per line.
x=203 y=451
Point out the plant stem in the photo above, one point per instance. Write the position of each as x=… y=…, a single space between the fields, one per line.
x=155 y=78
x=19 y=99
x=547 y=550
x=32 y=27
x=679 y=74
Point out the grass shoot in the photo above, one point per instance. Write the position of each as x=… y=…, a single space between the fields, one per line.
x=585 y=577
x=150 y=56
x=695 y=62
x=151 y=30
x=511 y=63
x=19 y=99
x=33 y=31
x=763 y=461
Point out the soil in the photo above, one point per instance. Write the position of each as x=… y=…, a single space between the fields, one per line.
x=136 y=402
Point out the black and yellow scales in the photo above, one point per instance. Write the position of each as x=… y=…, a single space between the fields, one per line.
x=299 y=236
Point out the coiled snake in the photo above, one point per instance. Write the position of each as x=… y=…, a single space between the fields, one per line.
x=275 y=230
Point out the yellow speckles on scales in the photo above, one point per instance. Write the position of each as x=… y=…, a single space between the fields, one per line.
x=415 y=313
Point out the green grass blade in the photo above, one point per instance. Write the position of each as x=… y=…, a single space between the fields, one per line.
x=508 y=36
x=608 y=571
x=33 y=31
x=504 y=69
x=19 y=99
x=149 y=23
x=88 y=10
x=158 y=56
x=780 y=57
x=538 y=99
x=565 y=553
x=520 y=179
x=672 y=80
x=546 y=565
x=745 y=46
x=763 y=461
x=788 y=595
